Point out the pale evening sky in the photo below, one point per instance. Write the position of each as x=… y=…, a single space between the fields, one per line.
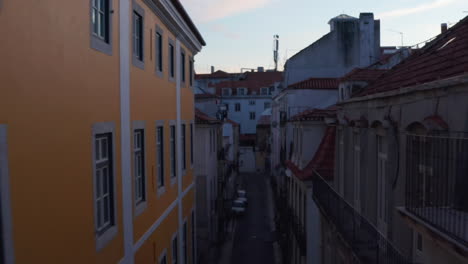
x=239 y=33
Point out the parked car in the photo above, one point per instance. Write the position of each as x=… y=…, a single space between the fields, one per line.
x=238 y=207
x=242 y=196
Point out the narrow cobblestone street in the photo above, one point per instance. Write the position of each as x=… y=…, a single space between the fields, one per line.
x=253 y=239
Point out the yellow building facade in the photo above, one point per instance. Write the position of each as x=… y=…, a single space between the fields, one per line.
x=96 y=129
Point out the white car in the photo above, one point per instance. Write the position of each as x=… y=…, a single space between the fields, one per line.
x=242 y=196
x=238 y=207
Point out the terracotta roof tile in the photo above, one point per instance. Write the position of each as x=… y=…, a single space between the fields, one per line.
x=253 y=81
x=363 y=74
x=316 y=83
x=205 y=96
x=444 y=57
x=215 y=75
x=202 y=118
x=315 y=114
x=323 y=162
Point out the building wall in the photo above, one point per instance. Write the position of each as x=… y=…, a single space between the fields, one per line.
x=242 y=117
x=56 y=88
x=50 y=114
x=351 y=43
x=403 y=110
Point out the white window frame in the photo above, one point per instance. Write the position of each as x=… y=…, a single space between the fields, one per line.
x=5 y=205
x=264 y=91
x=241 y=91
x=159 y=58
x=138 y=57
x=173 y=151
x=160 y=159
x=140 y=202
x=171 y=56
x=99 y=42
x=102 y=239
x=252 y=102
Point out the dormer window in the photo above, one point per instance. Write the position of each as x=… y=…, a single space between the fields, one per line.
x=264 y=91
x=226 y=92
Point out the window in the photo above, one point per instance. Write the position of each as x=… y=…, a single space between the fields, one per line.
x=174 y=250
x=252 y=102
x=183 y=142
x=6 y=233
x=101 y=26
x=264 y=91
x=241 y=91
x=182 y=66
x=138 y=33
x=252 y=115
x=163 y=259
x=173 y=152
x=184 y=243
x=227 y=106
x=104 y=181
x=160 y=155
x=226 y=91
x=192 y=221
x=139 y=165
x=271 y=90
x=171 y=59
x=191 y=144
x=266 y=105
x=191 y=72
x=104 y=184
x=159 y=50
x=238 y=107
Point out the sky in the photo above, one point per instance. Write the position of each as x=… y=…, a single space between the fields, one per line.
x=239 y=33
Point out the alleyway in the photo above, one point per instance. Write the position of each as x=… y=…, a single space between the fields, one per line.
x=253 y=240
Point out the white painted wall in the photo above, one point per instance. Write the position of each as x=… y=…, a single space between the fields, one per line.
x=243 y=116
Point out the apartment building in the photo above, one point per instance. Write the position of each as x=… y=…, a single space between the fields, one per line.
x=96 y=131
x=398 y=194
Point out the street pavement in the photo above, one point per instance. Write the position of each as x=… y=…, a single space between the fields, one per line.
x=253 y=239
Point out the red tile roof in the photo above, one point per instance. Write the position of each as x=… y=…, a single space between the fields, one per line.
x=323 y=162
x=315 y=114
x=444 y=57
x=316 y=83
x=205 y=96
x=232 y=122
x=363 y=74
x=215 y=75
x=253 y=81
x=202 y=118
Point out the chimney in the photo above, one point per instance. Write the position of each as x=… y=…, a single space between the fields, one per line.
x=260 y=69
x=443 y=27
x=212 y=69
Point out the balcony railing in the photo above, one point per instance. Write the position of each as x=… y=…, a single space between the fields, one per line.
x=437 y=180
x=367 y=243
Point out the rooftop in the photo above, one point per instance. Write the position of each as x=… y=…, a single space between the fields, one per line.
x=202 y=118
x=444 y=57
x=363 y=74
x=253 y=81
x=316 y=83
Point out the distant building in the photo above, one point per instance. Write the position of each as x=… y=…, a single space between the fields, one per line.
x=352 y=42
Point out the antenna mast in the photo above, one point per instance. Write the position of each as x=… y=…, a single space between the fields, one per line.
x=275 y=50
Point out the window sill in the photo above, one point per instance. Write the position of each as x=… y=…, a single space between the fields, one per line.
x=161 y=191
x=159 y=74
x=138 y=63
x=100 y=45
x=106 y=238
x=140 y=208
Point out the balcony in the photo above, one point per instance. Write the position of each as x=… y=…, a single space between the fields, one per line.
x=437 y=176
x=363 y=238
